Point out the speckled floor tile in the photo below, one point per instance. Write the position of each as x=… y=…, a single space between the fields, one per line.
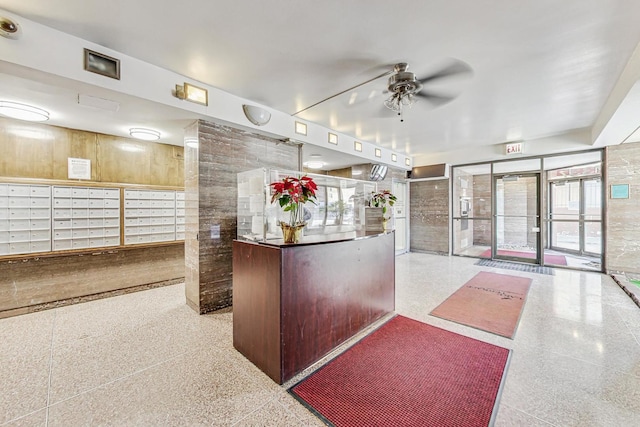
x=199 y=388
x=271 y=414
x=146 y=359
x=25 y=348
x=35 y=419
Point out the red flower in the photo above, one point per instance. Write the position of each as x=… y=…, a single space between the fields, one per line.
x=292 y=193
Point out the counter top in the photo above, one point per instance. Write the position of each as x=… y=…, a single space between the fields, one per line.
x=318 y=239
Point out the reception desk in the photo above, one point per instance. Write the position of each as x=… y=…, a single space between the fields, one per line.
x=294 y=303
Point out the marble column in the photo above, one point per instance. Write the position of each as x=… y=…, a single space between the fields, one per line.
x=211 y=171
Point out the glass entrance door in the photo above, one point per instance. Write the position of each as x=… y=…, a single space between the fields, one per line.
x=517 y=218
x=575 y=214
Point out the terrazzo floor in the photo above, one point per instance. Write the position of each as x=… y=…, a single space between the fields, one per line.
x=146 y=359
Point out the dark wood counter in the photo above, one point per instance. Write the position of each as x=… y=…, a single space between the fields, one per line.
x=293 y=304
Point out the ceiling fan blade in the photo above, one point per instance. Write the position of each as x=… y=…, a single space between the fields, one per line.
x=386 y=73
x=435 y=99
x=457 y=67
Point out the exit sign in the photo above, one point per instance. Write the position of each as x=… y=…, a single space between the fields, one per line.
x=514 y=148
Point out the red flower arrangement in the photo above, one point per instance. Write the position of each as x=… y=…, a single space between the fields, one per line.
x=291 y=193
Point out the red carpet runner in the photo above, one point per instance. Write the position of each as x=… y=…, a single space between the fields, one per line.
x=548 y=259
x=406 y=374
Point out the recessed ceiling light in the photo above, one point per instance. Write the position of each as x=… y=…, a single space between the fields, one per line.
x=378 y=152
x=144 y=134
x=407 y=161
x=301 y=128
x=19 y=111
x=357 y=146
x=315 y=164
x=394 y=157
x=333 y=138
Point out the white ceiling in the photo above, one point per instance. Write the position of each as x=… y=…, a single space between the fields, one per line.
x=540 y=67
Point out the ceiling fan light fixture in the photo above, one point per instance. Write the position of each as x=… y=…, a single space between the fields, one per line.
x=20 y=111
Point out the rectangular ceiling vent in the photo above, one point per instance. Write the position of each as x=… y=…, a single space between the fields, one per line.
x=95 y=102
x=430 y=172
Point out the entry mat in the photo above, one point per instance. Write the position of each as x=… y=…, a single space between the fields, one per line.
x=516 y=266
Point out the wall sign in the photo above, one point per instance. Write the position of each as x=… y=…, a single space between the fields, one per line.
x=514 y=148
x=620 y=191
x=79 y=168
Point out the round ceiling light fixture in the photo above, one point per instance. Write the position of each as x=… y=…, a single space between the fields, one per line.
x=144 y=134
x=315 y=164
x=9 y=28
x=19 y=111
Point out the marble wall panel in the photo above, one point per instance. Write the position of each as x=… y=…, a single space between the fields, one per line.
x=34 y=281
x=211 y=204
x=623 y=215
x=429 y=216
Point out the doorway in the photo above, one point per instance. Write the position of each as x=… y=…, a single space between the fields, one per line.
x=539 y=210
x=517 y=218
x=575 y=218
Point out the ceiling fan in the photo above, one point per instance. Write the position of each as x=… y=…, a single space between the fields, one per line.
x=405 y=88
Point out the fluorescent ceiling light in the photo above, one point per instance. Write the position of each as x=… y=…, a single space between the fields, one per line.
x=144 y=134
x=19 y=111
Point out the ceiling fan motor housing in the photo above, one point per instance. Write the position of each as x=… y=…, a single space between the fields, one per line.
x=403 y=81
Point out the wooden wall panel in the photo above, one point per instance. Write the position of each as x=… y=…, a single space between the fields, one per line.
x=36 y=150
